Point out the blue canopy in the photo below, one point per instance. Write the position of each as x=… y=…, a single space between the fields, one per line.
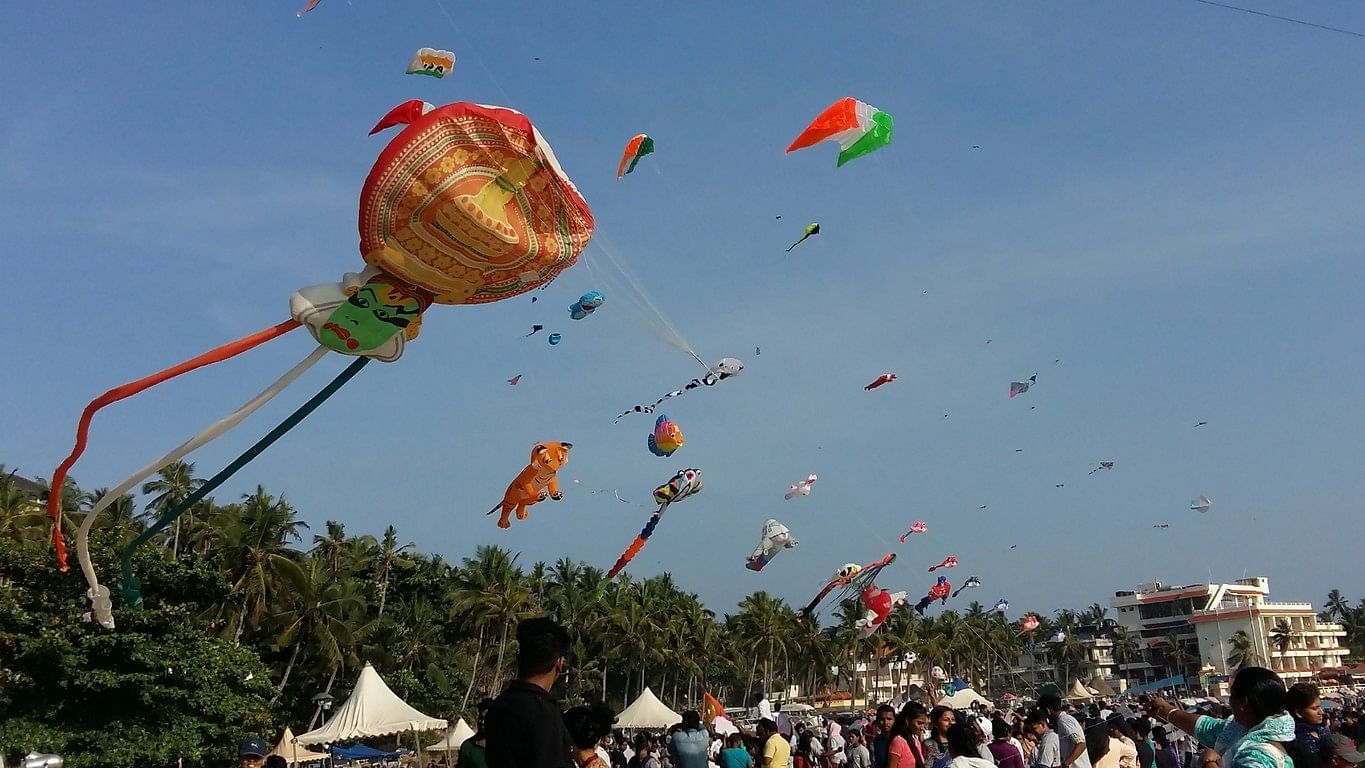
x=1168 y=682
x=360 y=752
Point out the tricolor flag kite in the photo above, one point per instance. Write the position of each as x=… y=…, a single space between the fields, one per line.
x=859 y=129
x=638 y=146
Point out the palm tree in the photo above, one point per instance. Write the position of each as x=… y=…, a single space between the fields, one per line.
x=1282 y=636
x=1176 y=655
x=320 y=610
x=260 y=564
x=331 y=548
x=1337 y=607
x=1093 y=615
x=763 y=623
x=1126 y=647
x=21 y=518
x=120 y=516
x=1242 y=651
x=492 y=591
x=174 y=483
x=390 y=555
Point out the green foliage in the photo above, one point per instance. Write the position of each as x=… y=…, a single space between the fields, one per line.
x=159 y=688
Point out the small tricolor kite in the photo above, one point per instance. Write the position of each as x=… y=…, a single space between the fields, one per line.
x=885 y=378
x=638 y=146
x=432 y=63
x=801 y=488
x=917 y=527
x=948 y=562
x=859 y=129
x=1020 y=387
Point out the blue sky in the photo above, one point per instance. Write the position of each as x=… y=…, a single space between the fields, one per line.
x=1167 y=199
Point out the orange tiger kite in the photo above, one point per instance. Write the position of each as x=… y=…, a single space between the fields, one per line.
x=535 y=482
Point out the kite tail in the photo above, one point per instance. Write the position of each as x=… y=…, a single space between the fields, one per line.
x=209 y=434
x=215 y=355
x=636 y=546
x=129 y=586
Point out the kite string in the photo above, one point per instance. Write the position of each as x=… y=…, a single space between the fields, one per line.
x=1282 y=18
x=129 y=586
x=469 y=47
x=209 y=434
x=123 y=391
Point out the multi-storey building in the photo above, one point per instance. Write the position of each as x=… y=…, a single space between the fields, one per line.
x=1189 y=629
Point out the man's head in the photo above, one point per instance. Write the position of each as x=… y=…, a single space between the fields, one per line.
x=691 y=720
x=542 y=648
x=854 y=737
x=251 y=752
x=766 y=728
x=1050 y=704
x=886 y=717
x=1036 y=723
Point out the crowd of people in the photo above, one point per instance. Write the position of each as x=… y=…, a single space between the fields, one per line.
x=1264 y=725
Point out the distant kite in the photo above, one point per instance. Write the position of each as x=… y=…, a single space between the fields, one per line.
x=1200 y=424
x=1201 y=504
x=917 y=527
x=432 y=63
x=885 y=378
x=1020 y=387
x=534 y=330
x=726 y=368
x=638 y=146
x=513 y=381
x=948 y=562
x=1102 y=465
x=811 y=229
x=801 y=488
x=1002 y=606
x=972 y=582
x=858 y=128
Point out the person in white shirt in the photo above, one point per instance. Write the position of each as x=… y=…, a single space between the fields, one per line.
x=762 y=708
x=834 y=743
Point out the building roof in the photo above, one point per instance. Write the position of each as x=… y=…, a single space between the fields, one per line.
x=26 y=486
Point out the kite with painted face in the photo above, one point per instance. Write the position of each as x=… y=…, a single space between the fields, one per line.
x=466 y=205
x=774 y=538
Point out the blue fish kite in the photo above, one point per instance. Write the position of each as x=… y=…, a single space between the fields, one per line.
x=586 y=305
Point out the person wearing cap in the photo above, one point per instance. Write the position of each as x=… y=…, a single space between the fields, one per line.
x=1257 y=734
x=251 y=753
x=1337 y=751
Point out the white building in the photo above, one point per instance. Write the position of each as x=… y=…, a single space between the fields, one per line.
x=1204 y=617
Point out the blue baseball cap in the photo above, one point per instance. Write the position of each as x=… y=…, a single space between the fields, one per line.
x=252 y=748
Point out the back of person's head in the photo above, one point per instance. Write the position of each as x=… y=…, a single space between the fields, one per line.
x=1141 y=726
x=641 y=742
x=1000 y=729
x=733 y=740
x=691 y=720
x=1159 y=736
x=963 y=739
x=1261 y=690
x=1050 y=703
x=276 y=761
x=1119 y=725
x=541 y=643
x=588 y=724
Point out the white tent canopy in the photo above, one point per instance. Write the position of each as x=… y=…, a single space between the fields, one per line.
x=647 y=712
x=293 y=752
x=1080 y=692
x=963 y=699
x=372 y=710
x=453 y=739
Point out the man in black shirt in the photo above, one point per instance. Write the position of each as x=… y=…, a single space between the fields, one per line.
x=525 y=727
